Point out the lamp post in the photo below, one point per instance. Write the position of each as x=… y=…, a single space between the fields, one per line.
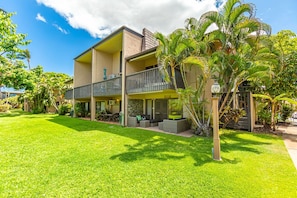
x=215 y=89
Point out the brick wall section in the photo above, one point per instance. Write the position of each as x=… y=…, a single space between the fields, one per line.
x=149 y=40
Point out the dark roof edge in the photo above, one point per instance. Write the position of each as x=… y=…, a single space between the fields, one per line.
x=110 y=36
x=141 y=53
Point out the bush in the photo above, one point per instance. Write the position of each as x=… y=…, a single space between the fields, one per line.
x=286 y=111
x=64 y=108
x=37 y=110
x=265 y=117
x=14 y=102
x=5 y=107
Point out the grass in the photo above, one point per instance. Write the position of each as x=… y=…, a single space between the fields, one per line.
x=57 y=156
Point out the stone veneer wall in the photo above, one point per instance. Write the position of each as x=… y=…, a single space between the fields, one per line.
x=135 y=107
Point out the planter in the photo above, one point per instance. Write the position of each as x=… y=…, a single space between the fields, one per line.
x=175 y=126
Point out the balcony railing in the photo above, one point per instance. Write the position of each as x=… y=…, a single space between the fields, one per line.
x=109 y=87
x=69 y=94
x=82 y=92
x=147 y=81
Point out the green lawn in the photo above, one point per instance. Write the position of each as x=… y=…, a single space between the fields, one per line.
x=57 y=156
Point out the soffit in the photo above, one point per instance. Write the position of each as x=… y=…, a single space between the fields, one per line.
x=86 y=57
x=112 y=44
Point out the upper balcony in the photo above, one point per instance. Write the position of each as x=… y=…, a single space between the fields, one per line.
x=69 y=94
x=108 y=87
x=82 y=92
x=147 y=81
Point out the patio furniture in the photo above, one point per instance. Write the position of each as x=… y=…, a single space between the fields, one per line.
x=144 y=123
x=132 y=122
x=160 y=125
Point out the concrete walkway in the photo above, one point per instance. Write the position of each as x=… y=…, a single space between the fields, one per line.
x=290 y=140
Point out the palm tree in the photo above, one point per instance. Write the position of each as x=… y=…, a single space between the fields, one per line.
x=25 y=54
x=235 y=44
x=182 y=51
x=232 y=52
x=274 y=101
x=170 y=54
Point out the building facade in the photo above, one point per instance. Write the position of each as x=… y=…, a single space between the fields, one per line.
x=120 y=74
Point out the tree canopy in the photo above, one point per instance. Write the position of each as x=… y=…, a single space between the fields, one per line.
x=12 y=72
x=225 y=45
x=46 y=89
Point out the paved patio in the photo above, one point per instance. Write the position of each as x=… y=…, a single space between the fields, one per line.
x=290 y=139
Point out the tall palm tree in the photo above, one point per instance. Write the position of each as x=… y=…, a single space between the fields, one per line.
x=182 y=51
x=235 y=44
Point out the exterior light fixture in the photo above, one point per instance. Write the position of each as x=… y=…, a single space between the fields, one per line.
x=215 y=88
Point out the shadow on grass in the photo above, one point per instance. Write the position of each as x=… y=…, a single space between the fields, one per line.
x=291 y=137
x=13 y=113
x=159 y=146
x=232 y=141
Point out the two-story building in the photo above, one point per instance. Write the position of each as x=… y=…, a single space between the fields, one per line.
x=120 y=74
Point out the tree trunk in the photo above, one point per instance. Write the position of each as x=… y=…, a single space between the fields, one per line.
x=272 y=116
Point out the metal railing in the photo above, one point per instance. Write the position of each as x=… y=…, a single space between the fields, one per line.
x=146 y=81
x=109 y=87
x=82 y=92
x=69 y=94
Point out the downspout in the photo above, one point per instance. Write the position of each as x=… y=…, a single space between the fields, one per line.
x=124 y=108
x=73 y=99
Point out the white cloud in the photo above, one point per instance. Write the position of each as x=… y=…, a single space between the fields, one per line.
x=60 y=29
x=39 y=17
x=100 y=18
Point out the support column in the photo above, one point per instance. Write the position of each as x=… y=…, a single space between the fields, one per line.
x=93 y=108
x=93 y=99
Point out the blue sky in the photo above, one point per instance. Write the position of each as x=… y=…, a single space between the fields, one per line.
x=61 y=29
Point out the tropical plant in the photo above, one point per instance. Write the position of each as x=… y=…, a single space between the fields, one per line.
x=226 y=45
x=12 y=73
x=183 y=51
x=273 y=103
x=47 y=88
x=10 y=41
x=286 y=111
x=64 y=108
x=25 y=54
x=237 y=47
x=281 y=85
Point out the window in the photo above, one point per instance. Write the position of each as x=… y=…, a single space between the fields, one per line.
x=100 y=106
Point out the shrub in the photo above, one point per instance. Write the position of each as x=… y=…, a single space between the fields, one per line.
x=37 y=110
x=286 y=111
x=64 y=108
x=5 y=107
x=265 y=117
